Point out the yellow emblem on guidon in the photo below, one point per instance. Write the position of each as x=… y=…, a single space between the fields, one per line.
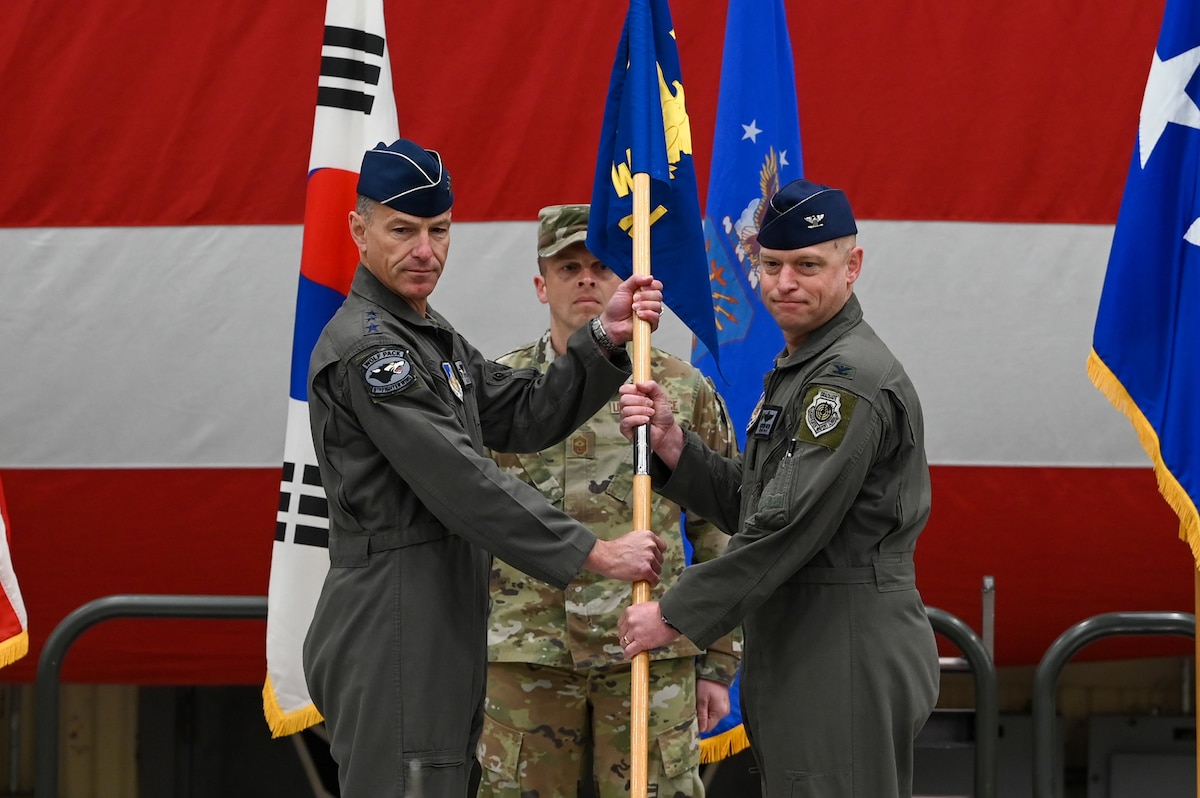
x=824 y=412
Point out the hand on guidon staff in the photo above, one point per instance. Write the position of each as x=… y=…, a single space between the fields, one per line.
x=640 y=296
x=636 y=556
x=641 y=628
x=646 y=403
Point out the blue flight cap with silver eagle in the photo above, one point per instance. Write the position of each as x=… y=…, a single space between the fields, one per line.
x=803 y=213
x=406 y=177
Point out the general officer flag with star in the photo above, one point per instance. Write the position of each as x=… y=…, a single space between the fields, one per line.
x=646 y=131
x=356 y=109
x=756 y=149
x=1146 y=345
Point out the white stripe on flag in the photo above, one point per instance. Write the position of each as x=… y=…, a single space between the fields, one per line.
x=298 y=563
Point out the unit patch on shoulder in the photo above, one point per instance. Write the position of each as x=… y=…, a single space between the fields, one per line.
x=388 y=372
x=827 y=413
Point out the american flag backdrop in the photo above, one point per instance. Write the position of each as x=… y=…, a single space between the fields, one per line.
x=154 y=162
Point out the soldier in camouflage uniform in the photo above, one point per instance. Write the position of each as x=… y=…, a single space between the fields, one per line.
x=557 y=681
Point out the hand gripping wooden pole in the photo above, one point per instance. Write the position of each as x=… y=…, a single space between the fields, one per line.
x=639 y=720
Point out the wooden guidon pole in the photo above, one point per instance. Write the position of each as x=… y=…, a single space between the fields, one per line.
x=639 y=721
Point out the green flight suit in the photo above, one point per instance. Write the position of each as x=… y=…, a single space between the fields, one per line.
x=840 y=667
x=401 y=409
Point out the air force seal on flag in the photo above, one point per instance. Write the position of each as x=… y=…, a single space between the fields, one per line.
x=387 y=372
x=827 y=413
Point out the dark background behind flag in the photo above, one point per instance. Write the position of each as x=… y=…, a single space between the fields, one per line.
x=151 y=225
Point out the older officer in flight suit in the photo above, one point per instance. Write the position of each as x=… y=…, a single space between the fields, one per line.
x=402 y=408
x=840 y=667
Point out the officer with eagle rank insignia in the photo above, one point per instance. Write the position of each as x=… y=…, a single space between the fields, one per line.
x=839 y=665
x=402 y=410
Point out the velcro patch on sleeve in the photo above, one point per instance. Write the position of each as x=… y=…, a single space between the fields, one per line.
x=387 y=372
x=826 y=416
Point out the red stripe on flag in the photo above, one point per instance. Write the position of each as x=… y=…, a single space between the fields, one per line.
x=986 y=111
x=1063 y=544
x=10 y=623
x=329 y=254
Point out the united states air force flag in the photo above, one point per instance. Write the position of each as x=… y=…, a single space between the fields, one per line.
x=1146 y=345
x=646 y=131
x=756 y=149
x=356 y=109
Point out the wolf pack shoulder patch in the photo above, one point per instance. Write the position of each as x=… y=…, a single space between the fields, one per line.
x=826 y=415
x=387 y=372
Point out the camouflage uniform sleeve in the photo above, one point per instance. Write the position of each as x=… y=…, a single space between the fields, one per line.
x=710 y=420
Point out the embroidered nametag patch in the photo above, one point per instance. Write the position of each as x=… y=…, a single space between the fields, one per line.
x=387 y=372
x=827 y=413
x=765 y=421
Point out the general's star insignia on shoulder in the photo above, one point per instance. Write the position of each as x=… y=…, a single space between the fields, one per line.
x=827 y=413
x=387 y=372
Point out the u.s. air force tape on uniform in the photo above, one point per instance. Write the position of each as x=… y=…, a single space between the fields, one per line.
x=827 y=414
x=387 y=372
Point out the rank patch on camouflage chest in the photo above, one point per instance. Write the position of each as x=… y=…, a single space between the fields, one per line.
x=827 y=413
x=583 y=444
x=387 y=372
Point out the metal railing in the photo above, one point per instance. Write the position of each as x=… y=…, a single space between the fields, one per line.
x=987 y=702
x=81 y=619
x=1045 y=679
x=987 y=718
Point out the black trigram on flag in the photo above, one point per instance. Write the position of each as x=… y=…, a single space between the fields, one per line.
x=350 y=67
x=303 y=509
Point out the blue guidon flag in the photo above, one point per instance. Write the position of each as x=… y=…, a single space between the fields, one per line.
x=1146 y=345
x=356 y=110
x=756 y=149
x=646 y=131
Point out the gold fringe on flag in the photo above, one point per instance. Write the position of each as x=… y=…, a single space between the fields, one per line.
x=284 y=723
x=727 y=743
x=1168 y=485
x=14 y=648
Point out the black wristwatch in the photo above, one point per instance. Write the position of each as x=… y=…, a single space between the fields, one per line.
x=600 y=336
